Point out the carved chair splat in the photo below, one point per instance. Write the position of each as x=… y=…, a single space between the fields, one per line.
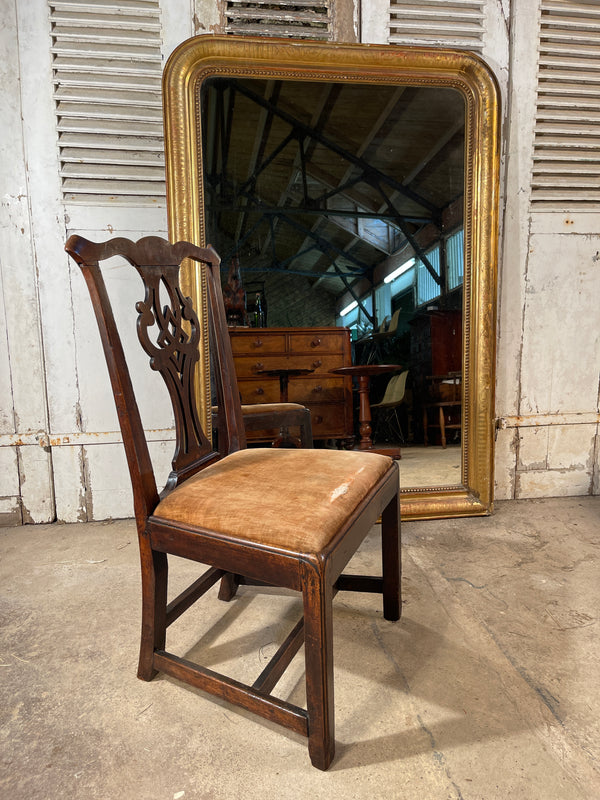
x=307 y=511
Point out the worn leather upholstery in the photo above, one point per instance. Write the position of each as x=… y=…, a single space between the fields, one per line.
x=288 y=499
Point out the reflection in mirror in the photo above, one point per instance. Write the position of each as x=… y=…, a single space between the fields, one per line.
x=302 y=194
x=343 y=204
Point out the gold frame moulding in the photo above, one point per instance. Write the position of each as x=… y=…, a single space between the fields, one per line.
x=204 y=57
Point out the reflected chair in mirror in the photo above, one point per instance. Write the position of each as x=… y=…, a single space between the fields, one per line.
x=276 y=416
x=387 y=421
x=376 y=352
x=393 y=326
x=289 y=518
x=443 y=410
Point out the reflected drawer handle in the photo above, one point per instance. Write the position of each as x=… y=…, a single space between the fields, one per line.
x=260 y=390
x=316 y=364
x=315 y=342
x=318 y=388
x=317 y=419
x=258 y=343
x=258 y=366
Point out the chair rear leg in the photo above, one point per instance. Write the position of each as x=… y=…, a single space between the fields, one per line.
x=306 y=439
x=228 y=586
x=391 y=560
x=318 y=652
x=154 y=605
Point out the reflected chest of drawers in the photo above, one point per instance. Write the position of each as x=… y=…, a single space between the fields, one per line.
x=257 y=351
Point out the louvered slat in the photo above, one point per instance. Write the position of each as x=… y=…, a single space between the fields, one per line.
x=566 y=161
x=447 y=23
x=107 y=78
x=304 y=19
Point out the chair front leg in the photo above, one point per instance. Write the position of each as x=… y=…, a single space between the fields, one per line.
x=318 y=652
x=391 y=560
x=155 y=572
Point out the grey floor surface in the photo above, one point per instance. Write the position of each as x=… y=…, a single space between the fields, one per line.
x=488 y=688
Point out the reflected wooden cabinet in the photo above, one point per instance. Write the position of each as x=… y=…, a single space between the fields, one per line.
x=436 y=344
x=436 y=362
x=257 y=351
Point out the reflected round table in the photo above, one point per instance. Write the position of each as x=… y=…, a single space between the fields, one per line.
x=363 y=373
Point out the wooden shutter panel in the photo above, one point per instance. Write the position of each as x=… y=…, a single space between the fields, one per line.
x=446 y=23
x=308 y=19
x=107 y=86
x=566 y=163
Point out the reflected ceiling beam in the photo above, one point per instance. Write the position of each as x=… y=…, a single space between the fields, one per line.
x=348 y=179
x=387 y=210
x=376 y=129
x=319 y=244
x=311 y=211
x=218 y=141
x=355 y=296
x=326 y=107
x=325 y=246
x=285 y=271
x=419 y=251
x=328 y=97
x=436 y=152
x=263 y=130
x=368 y=173
x=328 y=181
x=304 y=130
x=307 y=177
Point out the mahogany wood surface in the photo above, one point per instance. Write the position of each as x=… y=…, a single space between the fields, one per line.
x=170 y=336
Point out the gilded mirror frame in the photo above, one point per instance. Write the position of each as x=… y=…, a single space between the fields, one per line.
x=207 y=56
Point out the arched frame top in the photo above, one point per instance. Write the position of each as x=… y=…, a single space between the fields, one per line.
x=204 y=57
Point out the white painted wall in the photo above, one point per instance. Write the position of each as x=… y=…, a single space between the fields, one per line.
x=26 y=491
x=60 y=455
x=548 y=365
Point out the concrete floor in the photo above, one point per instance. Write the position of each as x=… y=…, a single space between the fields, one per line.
x=488 y=688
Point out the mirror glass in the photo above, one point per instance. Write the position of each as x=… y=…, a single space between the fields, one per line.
x=327 y=195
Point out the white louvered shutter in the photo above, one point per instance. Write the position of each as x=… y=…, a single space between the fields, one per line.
x=566 y=163
x=444 y=23
x=107 y=87
x=309 y=19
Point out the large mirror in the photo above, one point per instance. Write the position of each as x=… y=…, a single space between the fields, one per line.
x=336 y=176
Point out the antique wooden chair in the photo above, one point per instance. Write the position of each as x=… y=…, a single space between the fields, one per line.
x=445 y=401
x=305 y=511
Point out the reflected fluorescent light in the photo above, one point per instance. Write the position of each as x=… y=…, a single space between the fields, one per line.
x=348 y=308
x=400 y=271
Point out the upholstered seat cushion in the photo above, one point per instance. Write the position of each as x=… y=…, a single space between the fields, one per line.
x=291 y=499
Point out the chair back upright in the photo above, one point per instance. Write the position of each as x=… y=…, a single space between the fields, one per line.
x=394 y=391
x=172 y=336
x=393 y=326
